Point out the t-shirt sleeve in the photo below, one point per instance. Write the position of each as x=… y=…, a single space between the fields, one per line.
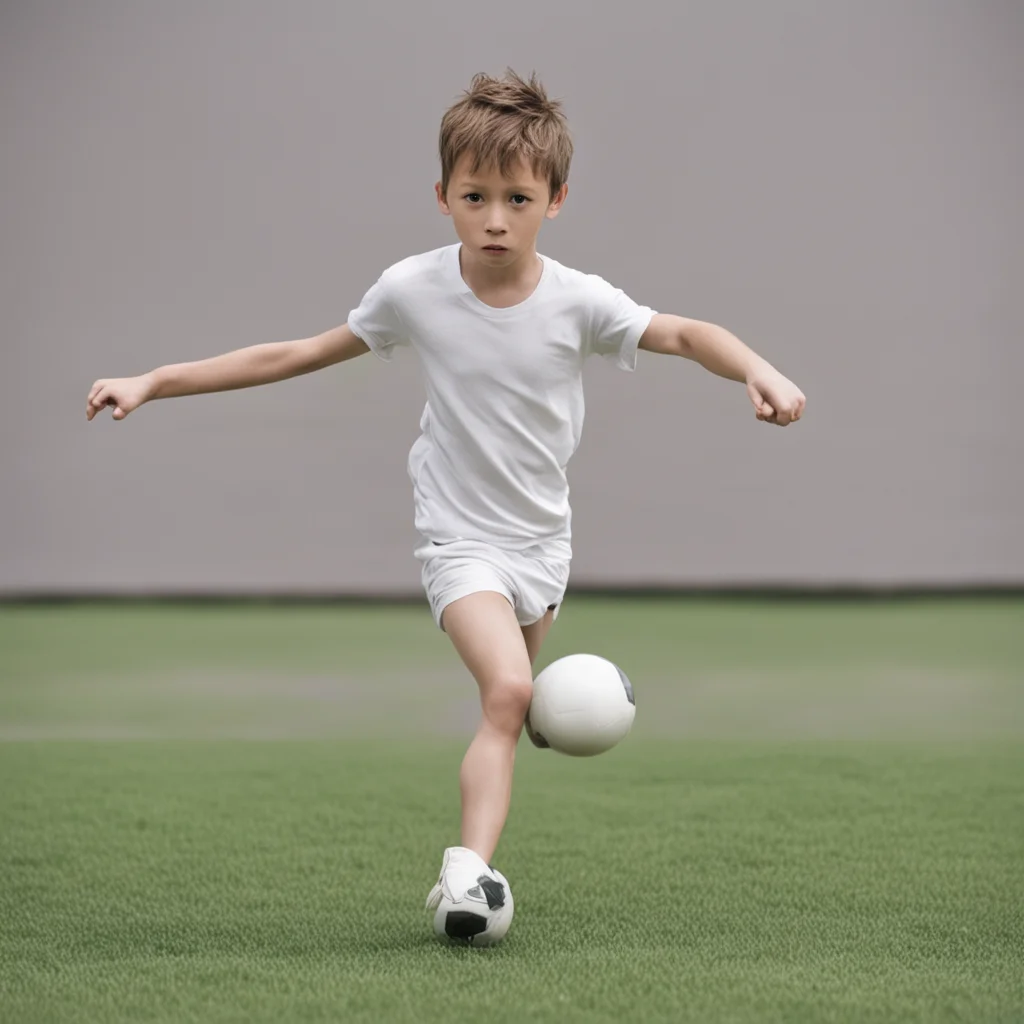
x=615 y=323
x=377 y=322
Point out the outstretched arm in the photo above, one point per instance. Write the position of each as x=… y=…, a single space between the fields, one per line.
x=242 y=368
x=775 y=398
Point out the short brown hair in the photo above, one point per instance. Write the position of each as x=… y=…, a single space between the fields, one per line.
x=502 y=122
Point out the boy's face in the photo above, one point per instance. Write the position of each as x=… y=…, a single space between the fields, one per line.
x=497 y=218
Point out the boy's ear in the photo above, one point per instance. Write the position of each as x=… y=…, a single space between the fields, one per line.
x=556 y=203
x=441 y=201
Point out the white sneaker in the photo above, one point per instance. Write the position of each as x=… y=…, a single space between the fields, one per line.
x=461 y=870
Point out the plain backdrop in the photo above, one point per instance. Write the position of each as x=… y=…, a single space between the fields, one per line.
x=836 y=181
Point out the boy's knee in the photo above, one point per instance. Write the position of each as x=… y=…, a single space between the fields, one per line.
x=507 y=702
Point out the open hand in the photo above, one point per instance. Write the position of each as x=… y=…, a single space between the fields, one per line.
x=776 y=399
x=124 y=393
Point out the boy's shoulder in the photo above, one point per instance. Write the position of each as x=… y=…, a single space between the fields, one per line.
x=571 y=277
x=419 y=265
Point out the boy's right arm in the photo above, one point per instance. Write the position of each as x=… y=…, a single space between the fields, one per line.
x=243 y=368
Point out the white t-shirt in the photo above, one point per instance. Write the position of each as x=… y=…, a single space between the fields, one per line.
x=504 y=410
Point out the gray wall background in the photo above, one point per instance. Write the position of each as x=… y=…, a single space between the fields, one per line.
x=838 y=182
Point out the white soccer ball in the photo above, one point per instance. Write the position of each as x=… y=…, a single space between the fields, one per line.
x=582 y=705
x=481 y=917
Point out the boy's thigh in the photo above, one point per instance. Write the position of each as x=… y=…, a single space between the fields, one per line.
x=483 y=628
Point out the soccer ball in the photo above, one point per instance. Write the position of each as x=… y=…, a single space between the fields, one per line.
x=481 y=917
x=582 y=705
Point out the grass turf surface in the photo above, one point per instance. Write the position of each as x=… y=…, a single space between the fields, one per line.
x=216 y=814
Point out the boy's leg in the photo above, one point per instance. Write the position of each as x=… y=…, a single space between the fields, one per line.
x=534 y=635
x=499 y=654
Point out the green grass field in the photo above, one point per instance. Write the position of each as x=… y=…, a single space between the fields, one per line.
x=234 y=814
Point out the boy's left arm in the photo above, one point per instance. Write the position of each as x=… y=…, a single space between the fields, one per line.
x=775 y=398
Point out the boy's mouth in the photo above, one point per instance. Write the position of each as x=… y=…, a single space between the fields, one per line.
x=495 y=248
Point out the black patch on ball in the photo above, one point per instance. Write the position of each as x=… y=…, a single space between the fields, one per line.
x=463 y=924
x=535 y=737
x=493 y=890
x=627 y=686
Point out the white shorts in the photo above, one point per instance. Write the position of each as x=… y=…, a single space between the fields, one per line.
x=531 y=584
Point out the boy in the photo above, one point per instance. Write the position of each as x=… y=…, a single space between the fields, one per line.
x=502 y=333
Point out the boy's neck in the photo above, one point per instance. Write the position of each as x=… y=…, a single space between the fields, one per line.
x=509 y=285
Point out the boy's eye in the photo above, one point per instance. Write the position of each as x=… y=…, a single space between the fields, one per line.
x=472 y=198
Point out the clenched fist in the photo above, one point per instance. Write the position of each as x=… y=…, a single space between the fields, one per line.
x=776 y=399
